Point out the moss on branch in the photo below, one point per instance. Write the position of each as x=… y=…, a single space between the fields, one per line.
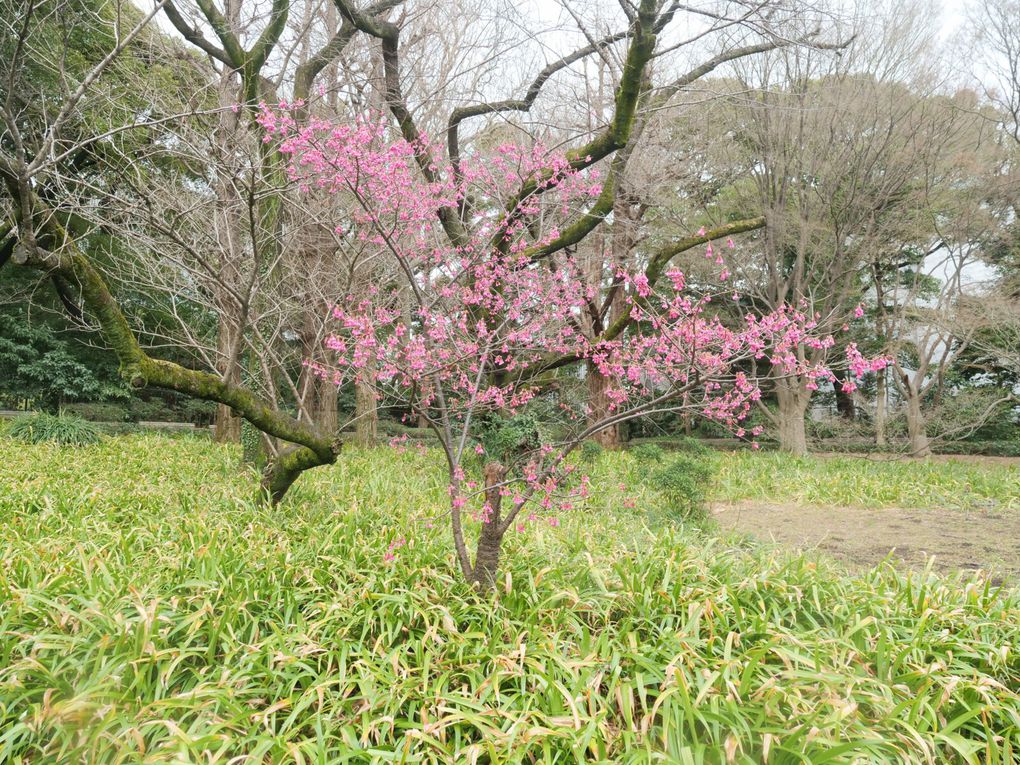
x=140 y=371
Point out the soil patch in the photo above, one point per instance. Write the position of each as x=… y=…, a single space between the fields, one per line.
x=968 y=540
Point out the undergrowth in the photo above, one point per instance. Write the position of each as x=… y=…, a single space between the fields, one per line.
x=62 y=429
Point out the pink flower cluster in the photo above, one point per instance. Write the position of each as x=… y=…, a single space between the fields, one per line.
x=487 y=316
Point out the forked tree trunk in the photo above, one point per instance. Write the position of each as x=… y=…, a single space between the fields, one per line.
x=793 y=402
x=598 y=408
x=490 y=539
x=916 y=427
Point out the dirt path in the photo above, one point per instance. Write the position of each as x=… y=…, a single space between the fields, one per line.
x=986 y=540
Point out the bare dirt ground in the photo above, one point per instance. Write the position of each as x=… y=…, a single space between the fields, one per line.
x=969 y=540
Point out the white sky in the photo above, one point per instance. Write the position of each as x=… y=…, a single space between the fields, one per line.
x=954 y=12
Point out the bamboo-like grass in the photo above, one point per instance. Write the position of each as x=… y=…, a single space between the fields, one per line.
x=149 y=613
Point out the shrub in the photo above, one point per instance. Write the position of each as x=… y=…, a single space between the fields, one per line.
x=693 y=446
x=119 y=428
x=198 y=411
x=101 y=411
x=648 y=453
x=976 y=413
x=506 y=438
x=389 y=428
x=684 y=483
x=590 y=450
x=153 y=409
x=64 y=429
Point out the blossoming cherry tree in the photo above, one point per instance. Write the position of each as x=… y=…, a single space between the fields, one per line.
x=463 y=329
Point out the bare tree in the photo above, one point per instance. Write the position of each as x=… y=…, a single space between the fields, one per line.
x=834 y=150
x=991 y=42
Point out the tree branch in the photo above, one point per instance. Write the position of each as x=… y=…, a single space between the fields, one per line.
x=653 y=272
x=194 y=36
x=519 y=104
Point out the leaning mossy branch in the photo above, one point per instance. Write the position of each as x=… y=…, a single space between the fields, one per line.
x=524 y=104
x=139 y=370
x=577 y=230
x=280 y=474
x=661 y=258
x=166 y=374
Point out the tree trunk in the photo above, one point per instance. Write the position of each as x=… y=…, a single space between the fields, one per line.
x=598 y=408
x=793 y=402
x=490 y=539
x=227 y=428
x=281 y=472
x=230 y=314
x=845 y=406
x=881 y=404
x=366 y=413
x=326 y=414
x=919 y=444
x=317 y=396
x=254 y=447
x=139 y=371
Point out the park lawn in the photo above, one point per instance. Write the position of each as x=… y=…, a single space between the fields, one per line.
x=150 y=612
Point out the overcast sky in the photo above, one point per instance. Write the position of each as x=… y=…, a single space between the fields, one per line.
x=953 y=15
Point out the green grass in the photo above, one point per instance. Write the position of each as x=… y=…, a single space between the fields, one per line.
x=864 y=482
x=150 y=613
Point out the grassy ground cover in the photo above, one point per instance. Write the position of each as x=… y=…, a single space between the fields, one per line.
x=868 y=482
x=149 y=612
